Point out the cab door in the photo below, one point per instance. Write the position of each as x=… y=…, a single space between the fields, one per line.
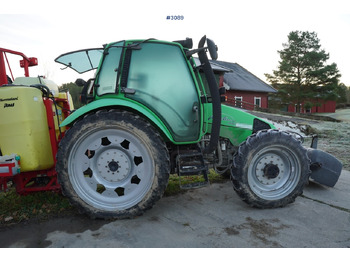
x=162 y=80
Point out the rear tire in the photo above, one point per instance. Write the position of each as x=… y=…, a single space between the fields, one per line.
x=112 y=164
x=270 y=169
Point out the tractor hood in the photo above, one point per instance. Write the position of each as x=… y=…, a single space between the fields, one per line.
x=82 y=60
x=236 y=124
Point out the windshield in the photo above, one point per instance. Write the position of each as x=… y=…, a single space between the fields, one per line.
x=82 y=60
x=107 y=76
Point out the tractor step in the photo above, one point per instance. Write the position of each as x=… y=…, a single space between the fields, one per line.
x=192 y=164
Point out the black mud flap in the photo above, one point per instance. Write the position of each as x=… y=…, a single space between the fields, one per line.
x=325 y=168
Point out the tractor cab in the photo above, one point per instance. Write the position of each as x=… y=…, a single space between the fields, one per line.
x=156 y=75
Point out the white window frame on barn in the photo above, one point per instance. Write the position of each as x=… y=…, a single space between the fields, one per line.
x=256 y=103
x=238 y=101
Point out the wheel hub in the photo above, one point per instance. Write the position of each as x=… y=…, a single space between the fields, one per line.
x=271 y=171
x=113 y=165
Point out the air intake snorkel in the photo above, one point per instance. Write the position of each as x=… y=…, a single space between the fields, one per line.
x=214 y=90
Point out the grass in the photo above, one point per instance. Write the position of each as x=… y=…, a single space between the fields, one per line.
x=16 y=208
x=174 y=184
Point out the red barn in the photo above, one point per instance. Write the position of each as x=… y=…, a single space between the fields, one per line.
x=324 y=107
x=244 y=89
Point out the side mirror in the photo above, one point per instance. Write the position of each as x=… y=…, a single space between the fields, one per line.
x=80 y=82
x=85 y=96
x=211 y=46
x=188 y=43
x=213 y=49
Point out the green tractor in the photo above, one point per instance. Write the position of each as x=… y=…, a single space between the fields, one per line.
x=152 y=111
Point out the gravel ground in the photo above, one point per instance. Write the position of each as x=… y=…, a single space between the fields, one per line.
x=335 y=139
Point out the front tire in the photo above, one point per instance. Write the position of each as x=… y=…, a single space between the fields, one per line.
x=270 y=169
x=112 y=164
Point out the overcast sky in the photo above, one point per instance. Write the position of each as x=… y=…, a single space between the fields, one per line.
x=246 y=32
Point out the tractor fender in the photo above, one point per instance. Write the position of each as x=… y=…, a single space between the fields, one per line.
x=325 y=168
x=118 y=103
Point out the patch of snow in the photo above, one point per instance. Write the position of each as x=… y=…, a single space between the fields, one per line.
x=289 y=126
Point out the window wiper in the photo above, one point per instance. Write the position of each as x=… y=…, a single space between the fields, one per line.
x=136 y=46
x=133 y=46
x=69 y=65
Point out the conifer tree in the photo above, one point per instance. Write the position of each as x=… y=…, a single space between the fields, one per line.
x=303 y=75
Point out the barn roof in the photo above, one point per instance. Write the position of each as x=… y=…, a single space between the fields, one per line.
x=243 y=80
x=215 y=67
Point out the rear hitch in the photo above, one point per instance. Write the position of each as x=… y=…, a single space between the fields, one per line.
x=314 y=141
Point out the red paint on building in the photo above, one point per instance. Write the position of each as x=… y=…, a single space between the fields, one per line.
x=325 y=107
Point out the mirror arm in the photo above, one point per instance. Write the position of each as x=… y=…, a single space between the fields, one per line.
x=189 y=53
